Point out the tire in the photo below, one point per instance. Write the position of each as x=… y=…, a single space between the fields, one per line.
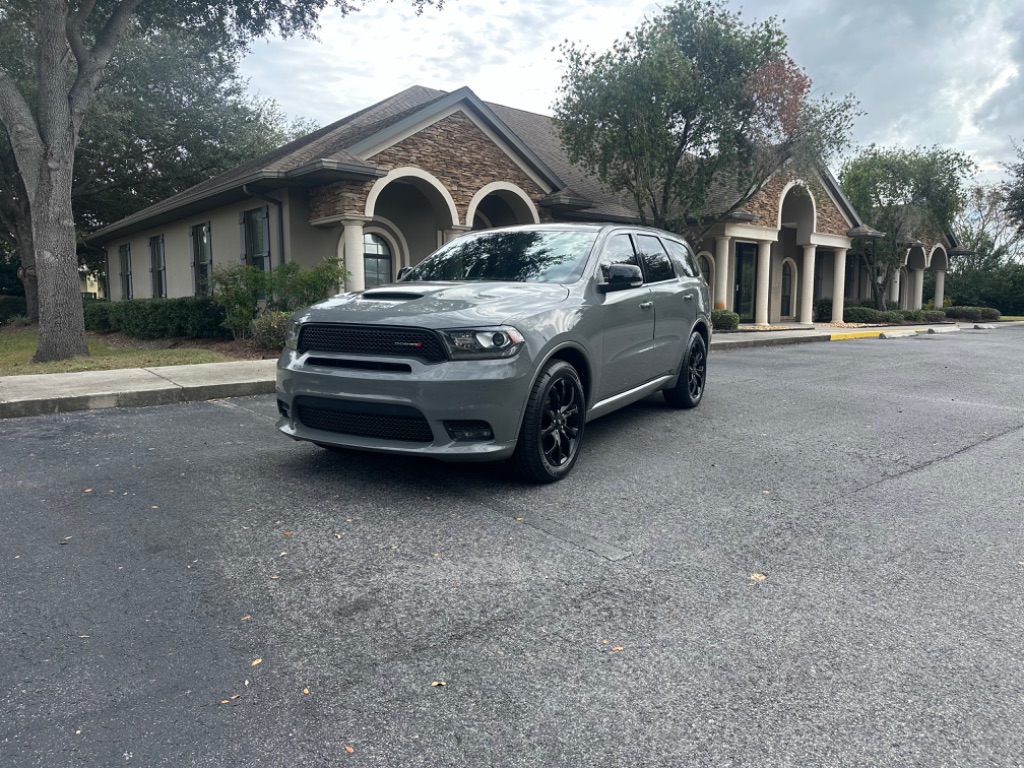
x=552 y=431
x=693 y=375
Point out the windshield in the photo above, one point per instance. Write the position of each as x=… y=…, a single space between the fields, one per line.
x=522 y=256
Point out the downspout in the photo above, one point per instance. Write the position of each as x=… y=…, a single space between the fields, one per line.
x=280 y=217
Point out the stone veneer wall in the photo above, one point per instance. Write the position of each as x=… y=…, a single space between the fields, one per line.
x=453 y=149
x=765 y=205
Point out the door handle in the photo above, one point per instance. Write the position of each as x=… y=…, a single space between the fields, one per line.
x=688 y=297
x=646 y=304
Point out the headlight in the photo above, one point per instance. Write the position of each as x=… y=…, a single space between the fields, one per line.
x=291 y=336
x=482 y=343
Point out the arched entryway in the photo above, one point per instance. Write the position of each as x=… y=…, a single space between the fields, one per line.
x=501 y=204
x=797 y=225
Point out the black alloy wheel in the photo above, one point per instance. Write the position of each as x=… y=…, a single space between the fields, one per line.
x=552 y=431
x=693 y=374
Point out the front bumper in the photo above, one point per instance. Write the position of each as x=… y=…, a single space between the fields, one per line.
x=491 y=391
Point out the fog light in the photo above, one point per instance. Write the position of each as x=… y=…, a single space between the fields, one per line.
x=469 y=431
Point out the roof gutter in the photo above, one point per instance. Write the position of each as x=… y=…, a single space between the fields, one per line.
x=280 y=218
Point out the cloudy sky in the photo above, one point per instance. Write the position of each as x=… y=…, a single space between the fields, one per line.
x=947 y=72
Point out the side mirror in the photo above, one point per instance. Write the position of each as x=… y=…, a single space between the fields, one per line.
x=621 y=277
x=403 y=272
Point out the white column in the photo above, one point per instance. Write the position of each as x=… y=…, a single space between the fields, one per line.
x=764 y=261
x=940 y=287
x=894 y=294
x=807 y=286
x=838 y=284
x=353 y=239
x=917 y=283
x=723 y=253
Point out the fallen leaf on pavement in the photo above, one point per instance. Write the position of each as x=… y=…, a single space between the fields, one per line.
x=286 y=533
x=256 y=662
x=758 y=577
x=247 y=617
x=438 y=684
x=349 y=749
x=305 y=691
x=618 y=648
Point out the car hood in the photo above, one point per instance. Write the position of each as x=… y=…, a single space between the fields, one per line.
x=438 y=305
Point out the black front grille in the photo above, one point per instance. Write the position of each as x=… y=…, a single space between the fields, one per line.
x=386 y=422
x=372 y=340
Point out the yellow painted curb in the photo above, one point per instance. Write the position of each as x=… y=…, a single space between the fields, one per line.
x=869 y=334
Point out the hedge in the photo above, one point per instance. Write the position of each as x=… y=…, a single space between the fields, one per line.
x=194 y=317
x=724 y=320
x=973 y=314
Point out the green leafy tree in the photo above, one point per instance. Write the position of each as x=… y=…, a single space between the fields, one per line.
x=45 y=98
x=909 y=195
x=172 y=113
x=1013 y=191
x=692 y=98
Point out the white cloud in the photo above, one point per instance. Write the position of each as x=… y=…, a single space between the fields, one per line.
x=925 y=71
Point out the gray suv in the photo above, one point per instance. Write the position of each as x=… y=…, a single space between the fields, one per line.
x=501 y=345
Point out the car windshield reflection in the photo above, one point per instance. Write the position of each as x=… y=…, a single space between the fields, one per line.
x=510 y=257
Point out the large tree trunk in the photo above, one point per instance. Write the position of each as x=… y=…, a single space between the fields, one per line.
x=61 y=319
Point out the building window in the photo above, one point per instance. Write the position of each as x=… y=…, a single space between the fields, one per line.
x=202 y=259
x=124 y=254
x=376 y=261
x=705 y=268
x=255 y=225
x=158 y=267
x=787 y=289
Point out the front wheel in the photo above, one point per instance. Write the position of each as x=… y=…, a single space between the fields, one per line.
x=552 y=431
x=693 y=374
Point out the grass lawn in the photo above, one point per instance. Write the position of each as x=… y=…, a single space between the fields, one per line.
x=1011 y=317
x=17 y=345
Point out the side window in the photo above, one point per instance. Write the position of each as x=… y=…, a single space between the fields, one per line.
x=618 y=250
x=655 y=260
x=683 y=258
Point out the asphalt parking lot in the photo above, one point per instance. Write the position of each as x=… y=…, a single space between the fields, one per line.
x=823 y=565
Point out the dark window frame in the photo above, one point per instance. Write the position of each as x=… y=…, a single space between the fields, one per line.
x=202 y=270
x=124 y=256
x=367 y=255
x=158 y=266
x=248 y=221
x=650 y=275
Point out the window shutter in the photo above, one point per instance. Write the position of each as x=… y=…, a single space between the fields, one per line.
x=241 y=228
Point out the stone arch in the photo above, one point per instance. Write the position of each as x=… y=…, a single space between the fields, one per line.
x=522 y=207
x=798 y=210
x=428 y=184
x=915 y=258
x=938 y=259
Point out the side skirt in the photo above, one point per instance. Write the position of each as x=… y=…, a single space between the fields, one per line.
x=615 y=402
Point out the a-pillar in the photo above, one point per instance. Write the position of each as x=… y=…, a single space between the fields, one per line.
x=807 y=286
x=940 y=287
x=917 y=286
x=722 y=253
x=838 y=284
x=764 y=260
x=354 y=263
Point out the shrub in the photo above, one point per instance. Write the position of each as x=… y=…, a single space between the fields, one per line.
x=823 y=311
x=912 y=315
x=10 y=306
x=964 y=313
x=988 y=313
x=191 y=317
x=892 y=316
x=293 y=288
x=18 y=321
x=268 y=329
x=857 y=314
x=238 y=290
x=934 y=316
x=724 y=320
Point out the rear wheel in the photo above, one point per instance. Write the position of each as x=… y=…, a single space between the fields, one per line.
x=693 y=374
x=552 y=431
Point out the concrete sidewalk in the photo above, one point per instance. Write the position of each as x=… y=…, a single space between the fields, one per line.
x=33 y=395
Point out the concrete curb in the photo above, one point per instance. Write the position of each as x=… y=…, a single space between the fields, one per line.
x=35 y=395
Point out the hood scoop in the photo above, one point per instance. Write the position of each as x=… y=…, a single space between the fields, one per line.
x=391 y=295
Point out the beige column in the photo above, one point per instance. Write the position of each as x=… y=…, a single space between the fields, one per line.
x=722 y=253
x=838 y=284
x=917 y=284
x=807 y=286
x=940 y=288
x=764 y=261
x=454 y=232
x=353 y=239
x=894 y=294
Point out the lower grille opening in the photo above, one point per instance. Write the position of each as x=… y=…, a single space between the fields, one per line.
x=469 y=431
x=386 y=422
x=359 y=365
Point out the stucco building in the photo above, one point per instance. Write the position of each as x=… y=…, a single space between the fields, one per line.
x=384 y=187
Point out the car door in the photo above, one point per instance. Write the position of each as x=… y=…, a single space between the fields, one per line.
x=628 y=324
x=675 y=297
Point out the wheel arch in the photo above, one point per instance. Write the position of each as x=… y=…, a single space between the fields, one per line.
x=579 y=360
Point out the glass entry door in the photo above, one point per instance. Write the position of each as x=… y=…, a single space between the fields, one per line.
x=746 y=281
